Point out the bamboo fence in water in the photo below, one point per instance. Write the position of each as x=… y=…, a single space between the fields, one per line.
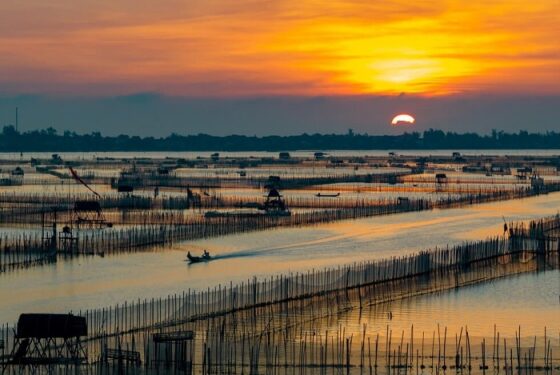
x=536 y=241
x=141 y=230
x=269 y=325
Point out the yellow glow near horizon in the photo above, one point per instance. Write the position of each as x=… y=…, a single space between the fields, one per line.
x=403 y=118
x=294 y=47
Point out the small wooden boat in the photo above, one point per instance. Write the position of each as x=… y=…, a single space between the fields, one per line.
x=205 y=257
x=319 y=195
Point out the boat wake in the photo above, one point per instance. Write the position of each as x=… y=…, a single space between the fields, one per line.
x=238 y=254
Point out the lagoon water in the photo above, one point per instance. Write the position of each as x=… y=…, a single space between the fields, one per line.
x=530 y=301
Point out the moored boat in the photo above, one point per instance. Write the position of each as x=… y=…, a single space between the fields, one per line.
x=323 y=195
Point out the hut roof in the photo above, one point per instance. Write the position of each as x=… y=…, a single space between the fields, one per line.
x=51 y=325
x=87 y=206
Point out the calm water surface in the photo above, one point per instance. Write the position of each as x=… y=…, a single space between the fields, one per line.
x=527 y=300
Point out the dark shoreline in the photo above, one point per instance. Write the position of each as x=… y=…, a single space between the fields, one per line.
x=50 y=141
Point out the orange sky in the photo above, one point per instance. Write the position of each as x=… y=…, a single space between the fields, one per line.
x=284 y=47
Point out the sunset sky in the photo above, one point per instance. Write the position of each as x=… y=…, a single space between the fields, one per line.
x=60 y=50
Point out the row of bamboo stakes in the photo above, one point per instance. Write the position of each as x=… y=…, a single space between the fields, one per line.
x=26 y=208
x=170 y=210
x=141 y=230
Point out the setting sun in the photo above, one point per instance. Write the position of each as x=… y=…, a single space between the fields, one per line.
x=402 y=119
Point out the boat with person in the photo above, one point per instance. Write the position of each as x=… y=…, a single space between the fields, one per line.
x=205 y=257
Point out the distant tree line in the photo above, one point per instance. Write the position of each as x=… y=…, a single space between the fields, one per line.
x=50 y=140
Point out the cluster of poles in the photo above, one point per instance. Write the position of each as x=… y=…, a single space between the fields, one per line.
x=139 y=230
x=254 y=325
x=27 y=208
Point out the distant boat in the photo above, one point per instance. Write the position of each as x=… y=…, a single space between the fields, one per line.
x=319 y=195
x=205 y=257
